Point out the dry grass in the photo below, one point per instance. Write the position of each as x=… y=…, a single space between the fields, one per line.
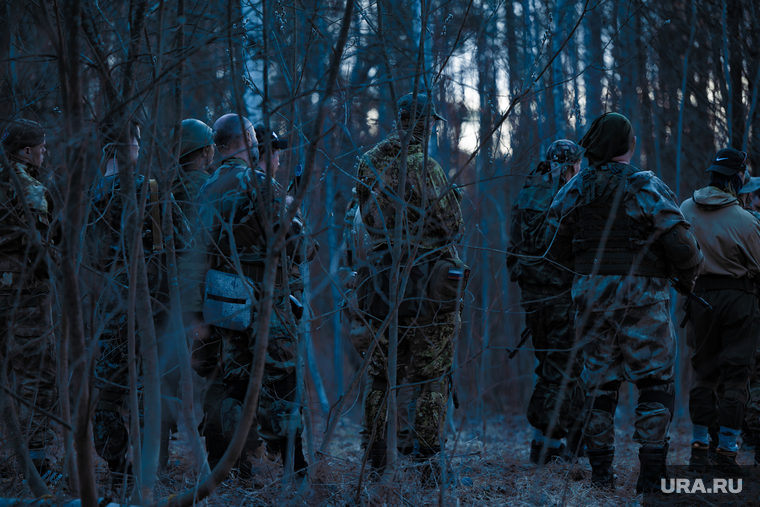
x=490 y=469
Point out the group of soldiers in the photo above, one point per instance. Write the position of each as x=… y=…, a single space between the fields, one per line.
x=223 y=221
x=594 y=252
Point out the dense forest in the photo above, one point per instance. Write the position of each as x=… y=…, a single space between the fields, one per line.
x=510 y=77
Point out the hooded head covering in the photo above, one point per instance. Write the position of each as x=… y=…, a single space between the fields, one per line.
x=608 y=137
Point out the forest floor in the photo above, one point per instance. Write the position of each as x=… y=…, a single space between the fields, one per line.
x=489 y=461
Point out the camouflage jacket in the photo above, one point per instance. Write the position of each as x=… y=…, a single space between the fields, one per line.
x=230 y=210
x=16 y=230
x=528 y=238
x=648 y=202
x=108 y=221
x=426 y=197
x=191 y=262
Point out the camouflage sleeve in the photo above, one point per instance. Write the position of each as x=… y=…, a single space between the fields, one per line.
x=445 y=215
x=515 y=240
x=651 y=202
x=183 y=236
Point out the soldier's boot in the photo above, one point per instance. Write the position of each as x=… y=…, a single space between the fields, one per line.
x=575 y=445
x=725 y=465
x=163 y=450
x=121 y=475
x=653 y=468
x=299 y=461
x=378 y=454
x=700 y=457
x=714 y=432
x=431 y=474
x=551 y=454
x=535 y=452
x=216 y=445
x=602 y=473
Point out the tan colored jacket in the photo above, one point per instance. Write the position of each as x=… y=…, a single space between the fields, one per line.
x=728 y=234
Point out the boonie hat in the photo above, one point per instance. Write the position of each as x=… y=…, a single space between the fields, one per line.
x=728 y=161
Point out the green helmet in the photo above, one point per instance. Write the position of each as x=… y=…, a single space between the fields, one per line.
x=406 y=102
x=195 y=136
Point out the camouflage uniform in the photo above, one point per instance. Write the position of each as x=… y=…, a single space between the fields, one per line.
x=425 y=344
x=355 y=256
x=549 y=313
x=112 y=365
x=24 y=302
x=231 y=190
x=610 y=219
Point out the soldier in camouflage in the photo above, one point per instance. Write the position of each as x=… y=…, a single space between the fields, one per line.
x=355 y=244
x=557 y=401
x=231 y=198
x=726 y=339
x=26 y=249
x=434 y=218
x=110 y=432
x=620 y=230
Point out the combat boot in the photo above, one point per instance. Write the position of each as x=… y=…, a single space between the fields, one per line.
x=725 y=465
x=700 y=458
x=551 y=454
x=431 y=473
x=653 y=468
x=378 y=455
x=714 y=432
x=299 y=461
x=602 y=473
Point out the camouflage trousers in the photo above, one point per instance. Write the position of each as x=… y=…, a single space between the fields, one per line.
x=32 y=360
x=425 y=355
x=637 y=345
x=558 y=397
x=407 y=406
x=278 y=415
x=725 y=343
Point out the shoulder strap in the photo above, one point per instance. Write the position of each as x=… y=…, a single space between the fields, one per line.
x=158 y=244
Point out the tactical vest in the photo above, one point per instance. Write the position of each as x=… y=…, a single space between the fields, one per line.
x=605 y=238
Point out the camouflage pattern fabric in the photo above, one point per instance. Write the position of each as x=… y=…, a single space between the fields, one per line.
x=634 y=344
x=230 y=197
x=191 y=263
x=623 y=322
x=24 y=301
x=725 y=344
x=378 y=174
x=528 y=240
x=549 y=310
x=550 y=320
x=111 y=367
x=425 y=354
x=647 y=201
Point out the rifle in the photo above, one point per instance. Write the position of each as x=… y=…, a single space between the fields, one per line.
x=679 y=286
x=524 y=336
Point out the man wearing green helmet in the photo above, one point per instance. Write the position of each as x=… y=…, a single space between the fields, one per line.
x=557 y=401
x=426 y=333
